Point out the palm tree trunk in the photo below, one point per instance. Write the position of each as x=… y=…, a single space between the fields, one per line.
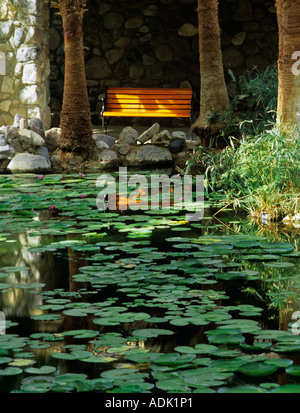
x=213 y=92
x=75 y=119
x=288 y=107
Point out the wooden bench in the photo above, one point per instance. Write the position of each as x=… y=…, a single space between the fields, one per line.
x=147 y=102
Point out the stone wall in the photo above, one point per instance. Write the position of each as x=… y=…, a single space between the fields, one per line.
x=24 y=45
x=155 y=43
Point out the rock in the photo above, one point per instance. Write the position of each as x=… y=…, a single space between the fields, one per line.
x=29 y=139
x=18 y=37
x=2 y=139
x=54 y=161
x=191 y=145
x=27 y=53
x=31 y=74
x=29 y=95
x=114 y=55
x=162 y=138
x=3 y=165
x=110 y=140
x=108 y=157
x=144 y=155
x=27 y=162
x=11 y=132
x=175 y=146
x=122 y=148
x=128 y=135
x=239 y=38
x=20 y=121
x=113 y=20
x=164 y=53
x=101 y=145
x=149 y=133
x=134 y=22
x=150 y=10
x=42 y=151
x=98 y=68
x=36 y=125
x=179 y=135
x=51 y=138
x=188 y=30
x=6 y=152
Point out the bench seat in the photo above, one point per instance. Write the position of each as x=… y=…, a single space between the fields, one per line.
x=147 y=102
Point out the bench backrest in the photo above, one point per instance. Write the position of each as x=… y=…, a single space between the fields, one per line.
x=164 y=102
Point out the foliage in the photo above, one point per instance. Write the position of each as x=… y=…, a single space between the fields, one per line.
x=259 y=172
x=253 y=108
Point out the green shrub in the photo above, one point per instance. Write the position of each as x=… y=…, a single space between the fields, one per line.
x=261 y=171
x=253 y=108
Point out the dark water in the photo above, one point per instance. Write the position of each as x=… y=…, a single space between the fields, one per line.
x=274 y=292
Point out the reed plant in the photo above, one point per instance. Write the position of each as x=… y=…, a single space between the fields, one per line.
x=260 y=173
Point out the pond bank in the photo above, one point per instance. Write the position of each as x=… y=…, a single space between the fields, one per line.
x=26 y=147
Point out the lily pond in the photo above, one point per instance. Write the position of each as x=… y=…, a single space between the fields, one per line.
x=141 y=301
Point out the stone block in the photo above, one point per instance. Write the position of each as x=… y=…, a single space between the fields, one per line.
x=31 y=75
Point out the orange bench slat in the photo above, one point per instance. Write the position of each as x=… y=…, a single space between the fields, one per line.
x=149 y=113
x=140 y=106
x=148 y=102
x=150 y=91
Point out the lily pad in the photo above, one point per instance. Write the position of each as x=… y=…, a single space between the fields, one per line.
x=258 y=369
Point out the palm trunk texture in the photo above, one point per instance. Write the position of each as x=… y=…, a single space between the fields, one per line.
x=75 y=119
x=213 y=92
x=288 y=107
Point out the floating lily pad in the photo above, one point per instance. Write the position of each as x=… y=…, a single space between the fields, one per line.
x=151 y=332
x=258 y=369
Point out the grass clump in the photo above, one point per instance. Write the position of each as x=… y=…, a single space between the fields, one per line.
x=259 y=173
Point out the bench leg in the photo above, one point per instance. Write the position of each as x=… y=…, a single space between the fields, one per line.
x=104 y=125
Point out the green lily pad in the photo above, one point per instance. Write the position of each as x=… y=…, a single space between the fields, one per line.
x=151 y=332
x=41 y=370
x=258 y=369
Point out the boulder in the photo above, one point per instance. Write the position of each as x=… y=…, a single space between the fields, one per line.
x=128 y=135
x=42 y=151
x=162 y=138
x=10 y=132
x=176 y=146
x=109 y=140
x=51 y=138
x=36 y=125
x=149 y=133
x=27 y=162
x=6 y=152
x=54 y=161
x=179 y=135
x=108 y=157
x=144 y=155
x=28 y=139
x=101 y=145
x=122 y=148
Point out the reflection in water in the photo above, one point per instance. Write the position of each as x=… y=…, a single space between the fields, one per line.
x=56 y=270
